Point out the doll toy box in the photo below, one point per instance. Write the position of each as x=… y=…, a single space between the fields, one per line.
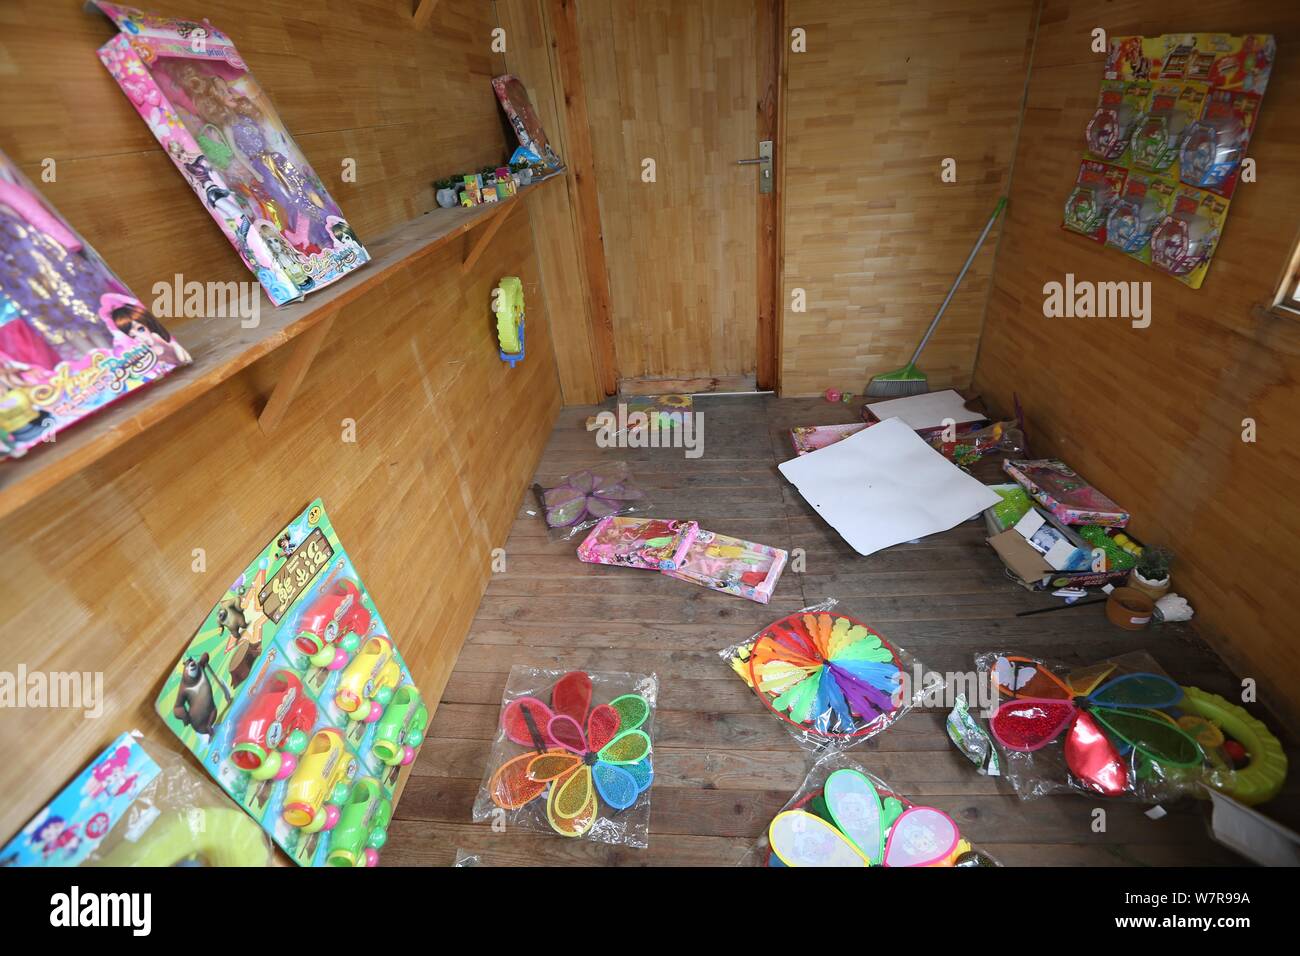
x=295 y=699
x=1061 y=490
x=72 y=336
x=656 y=544
x=732 y=566
x=218 y=127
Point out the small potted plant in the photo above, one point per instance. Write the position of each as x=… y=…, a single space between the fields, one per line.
x=446 y=194
x=1151 y=573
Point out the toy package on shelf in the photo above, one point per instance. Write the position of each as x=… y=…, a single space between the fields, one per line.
x=72 y=336
x=578 y=501
x=843 y=816
x=573 y=755
x=659 y=544
x=216 y=124
x=294 y=697
x=732 y=566
x=809 y=438
x=830 y=678
x=524 y=121
x=1173 y=120
x=1114 y=728
x=138 y=806
x=1061 y=490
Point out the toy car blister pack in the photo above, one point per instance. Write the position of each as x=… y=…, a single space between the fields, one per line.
x=843 y=816
x=832 y=679
x=294 y=697
x=573 y=755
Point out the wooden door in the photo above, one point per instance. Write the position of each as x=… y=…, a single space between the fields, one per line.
x=676 y=94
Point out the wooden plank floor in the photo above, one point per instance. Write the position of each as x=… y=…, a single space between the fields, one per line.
x=723 y=766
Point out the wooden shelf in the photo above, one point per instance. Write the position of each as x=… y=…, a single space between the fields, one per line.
x=222 y=349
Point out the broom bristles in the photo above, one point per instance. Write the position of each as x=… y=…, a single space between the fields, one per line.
x=883 y=386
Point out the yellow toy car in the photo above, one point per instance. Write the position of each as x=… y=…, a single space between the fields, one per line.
x=321 y=782
x=367 y=685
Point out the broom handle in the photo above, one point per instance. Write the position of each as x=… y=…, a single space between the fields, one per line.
x=934 y=324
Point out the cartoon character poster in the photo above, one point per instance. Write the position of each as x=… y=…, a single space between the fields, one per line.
x=220 y=130
x=295 y=699
x=72 y=336
x=75 y=821
x=524 y=121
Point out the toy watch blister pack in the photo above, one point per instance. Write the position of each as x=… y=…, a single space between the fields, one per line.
x=1096 y=187
x=843 y=816
x=1187 y=236
x=1114 y=728
x=139 y=805
x=573 y=755
x=1143 y=205
x=831 y=678
x=294 y=697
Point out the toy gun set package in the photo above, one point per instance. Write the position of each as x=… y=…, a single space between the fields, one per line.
x=1165 y=146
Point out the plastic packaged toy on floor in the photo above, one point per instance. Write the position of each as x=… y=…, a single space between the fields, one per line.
x=579 y=501
x=732 y=566
x=294 y=697
x=139 y=804
x=72 y=336
x=217 y=126
x=658 y=544
x=1113 y=728
x=842 y=816
x=829 y=677
x=573 y=755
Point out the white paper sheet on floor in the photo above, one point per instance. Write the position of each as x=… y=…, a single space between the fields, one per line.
x=927 y=410
x=885 y=485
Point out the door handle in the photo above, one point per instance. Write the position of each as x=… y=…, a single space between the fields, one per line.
x=764 y=163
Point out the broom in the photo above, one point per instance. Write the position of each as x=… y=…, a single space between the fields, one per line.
x=910 y=380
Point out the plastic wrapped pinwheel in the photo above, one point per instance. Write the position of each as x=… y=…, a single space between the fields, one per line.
x=831 y=678
x=578 y=501
x=1111 y=728
x=573 y=755
x=843 y=816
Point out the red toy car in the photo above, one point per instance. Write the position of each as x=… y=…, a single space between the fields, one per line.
x=274 y=728
x=333 y=625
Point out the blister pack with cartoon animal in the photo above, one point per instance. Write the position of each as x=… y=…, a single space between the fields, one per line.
x=294 y=697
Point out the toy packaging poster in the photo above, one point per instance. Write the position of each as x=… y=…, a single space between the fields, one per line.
x=534 y=148
x=1165 y=146
x=295 y=699
x=72 y=337
x=220 y=130
x=74 y=822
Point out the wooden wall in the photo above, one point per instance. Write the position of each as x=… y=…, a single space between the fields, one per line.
x=1154 y=416
x=676 y=82
x=885 y=92
x=99 y=571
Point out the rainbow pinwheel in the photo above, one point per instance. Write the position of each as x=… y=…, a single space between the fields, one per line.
x=831 y=674
x=849 y=824
x=578 y=751
x=1102 y=722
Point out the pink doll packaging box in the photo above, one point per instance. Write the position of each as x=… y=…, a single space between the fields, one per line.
x=1061 y=490
x=654 y=543
x=189 y=84
x=732 y=566
x=72 y=336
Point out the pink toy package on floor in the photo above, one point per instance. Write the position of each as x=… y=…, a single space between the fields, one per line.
x=732 y=566
x=218 y=127
x=654 y=543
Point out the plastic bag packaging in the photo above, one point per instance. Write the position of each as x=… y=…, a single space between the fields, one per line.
x=181 y=818
x=465 y=858
x=1113 y=728
x=833 y=680
x=573 y=755
x=968 y=448
x=842 y=815
x=578 y=501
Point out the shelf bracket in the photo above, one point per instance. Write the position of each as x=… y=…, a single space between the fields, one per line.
x=423 y=11
x=485 y=236
x=295 y=370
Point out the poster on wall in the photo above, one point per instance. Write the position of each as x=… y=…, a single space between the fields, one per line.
x=1165 y=146
x=189 y=84
x=72 y=336
x=294 y=697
